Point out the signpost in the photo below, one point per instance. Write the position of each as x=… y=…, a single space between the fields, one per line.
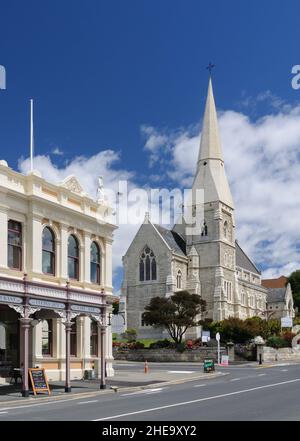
x=218 y=340
x=39 y=380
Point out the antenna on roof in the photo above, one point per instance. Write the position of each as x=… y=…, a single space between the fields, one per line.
x=31 y=135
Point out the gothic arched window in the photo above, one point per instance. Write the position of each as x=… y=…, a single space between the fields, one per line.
x=147 y=267
x=48 y=245
x=204 y=229
x=225 y=229
x=178 y=279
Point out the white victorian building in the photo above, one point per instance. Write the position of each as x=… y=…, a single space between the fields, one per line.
x=55 y=278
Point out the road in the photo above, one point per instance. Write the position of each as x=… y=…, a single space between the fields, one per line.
x=247 y=393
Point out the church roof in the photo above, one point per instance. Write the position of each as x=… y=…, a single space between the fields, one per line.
x=276 y=295
x=243 y=261
x=175 y=242
x=280 y=282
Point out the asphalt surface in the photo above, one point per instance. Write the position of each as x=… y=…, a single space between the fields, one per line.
x=248 y=393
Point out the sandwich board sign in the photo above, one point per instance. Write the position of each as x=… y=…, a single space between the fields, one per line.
x=39 y=380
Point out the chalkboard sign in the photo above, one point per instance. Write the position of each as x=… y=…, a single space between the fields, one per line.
x=208 y=365
x=39 y=380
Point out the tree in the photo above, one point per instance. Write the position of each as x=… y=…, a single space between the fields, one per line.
x=130 y=334
x=116 y=307
x=294 y=280
x=176 y=314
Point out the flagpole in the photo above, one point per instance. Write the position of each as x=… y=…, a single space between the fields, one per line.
x=31 y=135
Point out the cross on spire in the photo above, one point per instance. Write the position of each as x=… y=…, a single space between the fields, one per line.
x=210 y=67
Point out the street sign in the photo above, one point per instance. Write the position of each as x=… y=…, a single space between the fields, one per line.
x=205 y=336
x=218 y=336
x=286 y=322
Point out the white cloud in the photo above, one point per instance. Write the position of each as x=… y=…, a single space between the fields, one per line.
x=262 y=160
x=57 y=151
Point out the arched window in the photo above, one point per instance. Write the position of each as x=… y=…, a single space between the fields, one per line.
x=73 y=339
x=94 y=339
x=178 y=279
x=14 y=243
x=147 y=267
x=48 y=264
x=95 y=263
x=47 y=339
x=204 y=229
x=73 y=258
x=225 y=229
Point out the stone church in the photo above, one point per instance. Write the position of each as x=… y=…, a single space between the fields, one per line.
x=212 y=264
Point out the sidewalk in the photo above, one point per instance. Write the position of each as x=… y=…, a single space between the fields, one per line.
x=127 y=380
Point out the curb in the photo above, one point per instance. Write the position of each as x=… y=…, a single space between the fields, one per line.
x=112 y=390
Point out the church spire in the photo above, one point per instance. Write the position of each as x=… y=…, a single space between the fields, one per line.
x=210 y=174
x=210 y=146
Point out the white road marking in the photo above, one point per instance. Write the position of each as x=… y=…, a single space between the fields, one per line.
x=159 y=389
x=181 y=372
x=235 y=379
x=261 y=375
x=184 y=403
x=87 y=402
x=132 y=393
x=200 y=385
x=284 y=370
x=2 y=413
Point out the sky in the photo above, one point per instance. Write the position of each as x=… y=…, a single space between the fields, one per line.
x=119 y=89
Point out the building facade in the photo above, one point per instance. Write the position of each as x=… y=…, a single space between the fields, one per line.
x=280 y=298
x=55 y=278
x=210 y=263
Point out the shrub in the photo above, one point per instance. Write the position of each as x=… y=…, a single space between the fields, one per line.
x=138 y=345
x=130 y=334
x=277 y=342
x=288 y=337
x=159 y=344
x=181 y=347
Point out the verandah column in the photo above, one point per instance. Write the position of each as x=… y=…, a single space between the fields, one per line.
x=25 y=324
x=102 y=349
x=68 y=326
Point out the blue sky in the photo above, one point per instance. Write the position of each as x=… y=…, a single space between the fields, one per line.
x=99 y=71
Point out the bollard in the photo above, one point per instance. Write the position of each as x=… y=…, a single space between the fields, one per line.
x=260 y=358
x=146 y=367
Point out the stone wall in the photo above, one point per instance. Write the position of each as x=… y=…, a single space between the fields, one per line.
x=168 y=355
x=282 y=354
